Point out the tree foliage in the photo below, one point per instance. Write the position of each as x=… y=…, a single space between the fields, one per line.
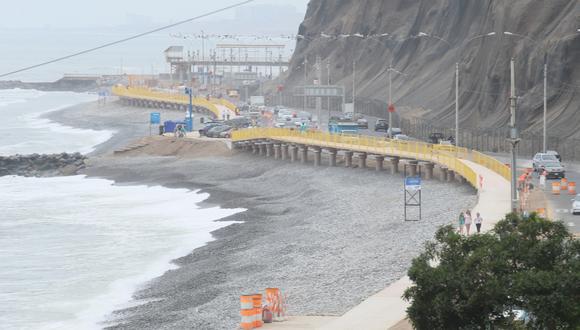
x=475 y=282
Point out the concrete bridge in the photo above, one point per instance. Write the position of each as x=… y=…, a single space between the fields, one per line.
x=147 y=98
x=358 y=151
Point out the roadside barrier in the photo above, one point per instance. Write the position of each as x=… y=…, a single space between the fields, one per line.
x=276 y=304
x=445 y=155
x=556 y=188
x=541 y=212
x=247 y=312
x=257 y=302
x=572 y=188
x=142 y=93
x=564 y=184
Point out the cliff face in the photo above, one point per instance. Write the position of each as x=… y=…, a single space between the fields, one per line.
x=428 y=88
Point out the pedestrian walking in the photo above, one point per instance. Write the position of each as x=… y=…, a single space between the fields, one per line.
x=478 y=220
x=543 y=179
x=461 y=222
x=467 y=221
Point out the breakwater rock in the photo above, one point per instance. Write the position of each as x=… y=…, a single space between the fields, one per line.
x=36 y=165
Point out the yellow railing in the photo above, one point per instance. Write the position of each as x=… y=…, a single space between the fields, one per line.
x=448 y=156
x=151 y=95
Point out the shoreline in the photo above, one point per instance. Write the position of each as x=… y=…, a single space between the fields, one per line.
x=326 y=244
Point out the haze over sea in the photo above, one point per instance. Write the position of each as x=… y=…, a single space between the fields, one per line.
x=73 y=249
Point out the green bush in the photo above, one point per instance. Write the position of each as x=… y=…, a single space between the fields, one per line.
x=477 y=282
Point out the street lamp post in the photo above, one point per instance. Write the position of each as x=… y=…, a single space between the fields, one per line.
x=514 y=138
x=189 y=122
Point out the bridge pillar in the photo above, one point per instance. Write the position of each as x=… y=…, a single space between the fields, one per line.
x=303 y=154
x=333 y=153
x=394 y=165
x=317 y=156
x=429 y=171
x=293 y=153
x=444 y=173
x=262 y=149
x=277 y=151
x=285 y=154
x=413 y=167
x=269 y=149
x=255 y=148
x=451 y=176
x=379 y=163
x=348 y=158
x=362 y=160
x=461 y=179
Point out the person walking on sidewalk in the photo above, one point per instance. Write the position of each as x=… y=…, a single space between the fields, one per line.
x=478 y=220
x=467 y=221
x=461 y=222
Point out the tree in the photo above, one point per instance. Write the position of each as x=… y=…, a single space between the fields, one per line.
x=475 y=282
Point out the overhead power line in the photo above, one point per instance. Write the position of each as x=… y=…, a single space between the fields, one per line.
x=86 y=51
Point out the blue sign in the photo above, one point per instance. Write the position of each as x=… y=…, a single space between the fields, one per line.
x=413 y=183
x=155 y=118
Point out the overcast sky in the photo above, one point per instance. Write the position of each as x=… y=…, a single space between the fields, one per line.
x=94 y=13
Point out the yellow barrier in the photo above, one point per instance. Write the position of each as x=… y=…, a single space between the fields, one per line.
x=150 y=95
x=448 y=156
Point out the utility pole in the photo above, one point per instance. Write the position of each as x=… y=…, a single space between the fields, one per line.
x=203 y=57
x=514 y=139
x=328 y=83
x=457 y=104
x=353 y=86
x=545 y=145
x=318 y=98
x=390 y=102
x=305 y=81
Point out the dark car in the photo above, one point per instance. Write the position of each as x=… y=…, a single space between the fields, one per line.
x=381 y=125
x=203 y=131
x=216 y=131
x=436 y=138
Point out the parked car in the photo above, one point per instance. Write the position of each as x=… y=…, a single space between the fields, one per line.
x=362 y=123
x=554 y=170
x=395 y=131
x=435 y=138
x=226 y=134
x=215 y=131
x=540 y=159
x=207 y=127
x=402 y=137
x=576 y=205
x=555 y=154
x=381 y=125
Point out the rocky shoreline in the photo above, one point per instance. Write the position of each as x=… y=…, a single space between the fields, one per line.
x=36 y=165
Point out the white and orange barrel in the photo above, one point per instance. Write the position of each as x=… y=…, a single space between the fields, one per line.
x=556 y=188
x=248 y=317
x=572 y=188
x=564 y=184
x=541 y=212
x=246 y=302
x=257 y=305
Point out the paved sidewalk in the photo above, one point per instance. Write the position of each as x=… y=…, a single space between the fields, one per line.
x=386 y=308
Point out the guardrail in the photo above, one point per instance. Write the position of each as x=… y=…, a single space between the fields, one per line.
x=448 y=156
x=159 y=96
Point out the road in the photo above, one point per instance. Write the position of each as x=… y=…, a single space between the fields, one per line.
x=560 y=204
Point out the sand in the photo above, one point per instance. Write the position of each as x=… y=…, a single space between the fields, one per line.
x=328 y=237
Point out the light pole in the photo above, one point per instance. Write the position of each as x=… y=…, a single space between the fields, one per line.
x=353 y=86
x=514 y=138
x=189 y=121
x=391 y=107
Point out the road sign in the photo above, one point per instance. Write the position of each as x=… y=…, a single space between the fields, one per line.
x=319 y=90
x=391 y=108
x=155 y=118
x=413 y=183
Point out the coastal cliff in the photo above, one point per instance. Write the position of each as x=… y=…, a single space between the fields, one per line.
x=427 y=90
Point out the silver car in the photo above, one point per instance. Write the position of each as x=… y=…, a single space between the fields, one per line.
x=576 y=205
x=554 y=170
x=540 y=159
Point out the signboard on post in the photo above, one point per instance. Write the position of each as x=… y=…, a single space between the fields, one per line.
x=412 y=185
x=154 y=119
x=319 y=91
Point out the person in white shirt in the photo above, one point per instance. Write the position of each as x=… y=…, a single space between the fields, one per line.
x=467 y=221
x=478 y=220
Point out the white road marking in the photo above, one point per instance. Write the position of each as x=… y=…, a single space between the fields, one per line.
x=571 y=224
x=563 y=211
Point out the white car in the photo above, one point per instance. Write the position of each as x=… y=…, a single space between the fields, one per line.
x=576 y=205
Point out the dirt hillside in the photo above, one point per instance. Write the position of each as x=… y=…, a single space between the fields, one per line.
x=428 y=89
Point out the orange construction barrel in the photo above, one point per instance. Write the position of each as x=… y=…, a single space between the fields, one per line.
x=257 y=301
x=541 y=212
x=572 y=188
x=556 y=188
x=248 y=316
x=564 y=184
